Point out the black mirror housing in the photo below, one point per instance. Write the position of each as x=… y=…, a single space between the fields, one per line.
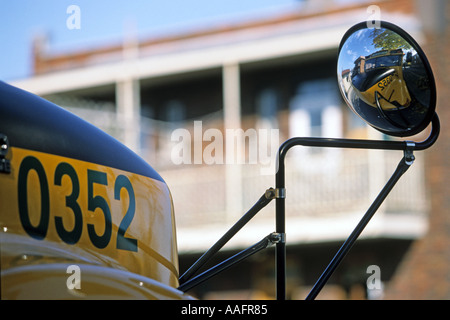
x=386 y=79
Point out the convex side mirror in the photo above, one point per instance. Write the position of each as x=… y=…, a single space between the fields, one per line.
x=385 y=78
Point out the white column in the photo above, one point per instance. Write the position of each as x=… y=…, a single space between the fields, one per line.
x=128 y=111
x=232 y=121
x=128 y=100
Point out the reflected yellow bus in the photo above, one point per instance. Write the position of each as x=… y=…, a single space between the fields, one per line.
x=378 y=80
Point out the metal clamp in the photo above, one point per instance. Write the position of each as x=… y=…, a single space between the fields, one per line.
x=5 y=165
x=276 y=237
x=409 y=152
x=272 y=193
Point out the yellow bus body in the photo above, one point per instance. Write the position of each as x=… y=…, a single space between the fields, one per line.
x=42 y=240
x=392 y=89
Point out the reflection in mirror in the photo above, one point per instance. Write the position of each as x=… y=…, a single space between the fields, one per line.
x=385 y=79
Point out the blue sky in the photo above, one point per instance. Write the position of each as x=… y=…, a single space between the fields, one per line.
x=103 y=22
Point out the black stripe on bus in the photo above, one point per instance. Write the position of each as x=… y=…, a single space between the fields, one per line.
x=31 y=122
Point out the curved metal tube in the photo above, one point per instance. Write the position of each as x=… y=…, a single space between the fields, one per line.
x=330 y=143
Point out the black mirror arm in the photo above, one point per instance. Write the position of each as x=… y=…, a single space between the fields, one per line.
x=402 y=167
x=263 y=201
x=407 y=146
x=357 y=143
x=278 y=237
x=263 y=244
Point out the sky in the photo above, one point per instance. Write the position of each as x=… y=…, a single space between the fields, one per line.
x=103 y=22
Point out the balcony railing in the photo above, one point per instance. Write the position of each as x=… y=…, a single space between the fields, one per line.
x=321 y=184
x=329 y=190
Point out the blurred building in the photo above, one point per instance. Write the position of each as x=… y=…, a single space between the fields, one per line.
x=181 y=99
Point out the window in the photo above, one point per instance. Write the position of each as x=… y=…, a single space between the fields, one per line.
x=267 y=108
x=315 y=111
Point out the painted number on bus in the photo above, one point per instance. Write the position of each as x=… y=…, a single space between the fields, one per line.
x=99 y=238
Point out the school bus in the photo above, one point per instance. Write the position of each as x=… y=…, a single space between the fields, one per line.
x=81 y=215
x=378 y=80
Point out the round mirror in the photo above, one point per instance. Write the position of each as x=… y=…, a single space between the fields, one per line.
x=386 y=79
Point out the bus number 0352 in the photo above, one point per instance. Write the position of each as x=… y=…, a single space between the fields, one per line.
x=100 y=241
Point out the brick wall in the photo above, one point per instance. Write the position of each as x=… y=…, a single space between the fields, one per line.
x=425 y=272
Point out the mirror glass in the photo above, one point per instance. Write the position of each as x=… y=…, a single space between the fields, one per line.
x=386 y=79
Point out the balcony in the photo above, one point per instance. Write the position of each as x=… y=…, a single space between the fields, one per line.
x=327 y=190
x=324 y=201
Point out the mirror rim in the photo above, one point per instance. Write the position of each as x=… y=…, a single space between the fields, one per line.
x=432 y=107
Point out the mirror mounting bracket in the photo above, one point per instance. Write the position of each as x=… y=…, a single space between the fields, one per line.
x=278 y=238
x=409 y=152
x=277 y=193
x=408 y=147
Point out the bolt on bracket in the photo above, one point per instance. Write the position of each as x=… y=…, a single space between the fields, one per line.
x=5 y=164
x=273 y=193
